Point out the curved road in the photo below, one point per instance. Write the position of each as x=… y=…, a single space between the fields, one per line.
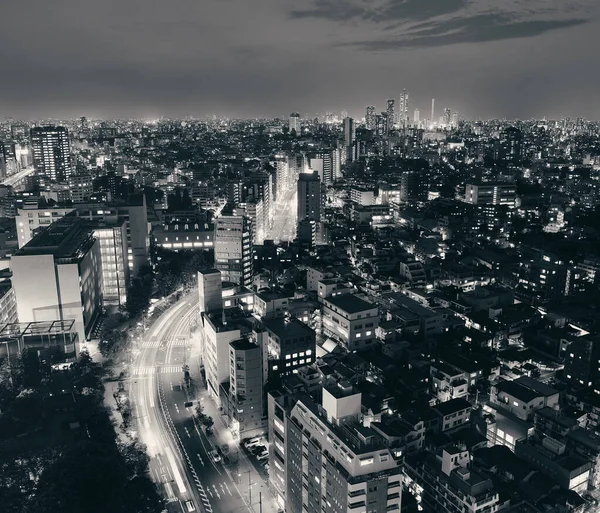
x=177 y=446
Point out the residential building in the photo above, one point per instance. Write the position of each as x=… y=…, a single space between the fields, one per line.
x=350 y=320
x=323 y=459
x=291 y=345
x=51 y=152
x=523 y=396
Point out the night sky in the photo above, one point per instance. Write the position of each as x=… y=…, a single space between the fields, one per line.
x=527 y=58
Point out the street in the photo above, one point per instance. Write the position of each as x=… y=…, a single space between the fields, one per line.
x=177 y=445
x=284 y=218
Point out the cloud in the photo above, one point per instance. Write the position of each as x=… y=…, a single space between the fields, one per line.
x=477 y=29
x=428 y=23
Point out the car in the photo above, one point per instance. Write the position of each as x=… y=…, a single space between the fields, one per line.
x=258 y=449
x=252 y=442
x=214 y=455
x=190 y=506
x=262 y=456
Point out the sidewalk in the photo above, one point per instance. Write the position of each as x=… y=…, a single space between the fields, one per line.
x=248 y=480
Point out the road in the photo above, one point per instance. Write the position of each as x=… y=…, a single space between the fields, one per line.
x=177 y=445
x=284 y=218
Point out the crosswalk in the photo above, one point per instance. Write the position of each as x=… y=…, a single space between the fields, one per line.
x=149 y=371
x=153 y=343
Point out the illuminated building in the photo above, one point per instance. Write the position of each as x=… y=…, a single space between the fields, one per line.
x=233 y=249
x=294 y=124
x=370 y=117
x=403 y=108
x=51 y=152
x=391 y=115
x=309 y=197
x=58 y=276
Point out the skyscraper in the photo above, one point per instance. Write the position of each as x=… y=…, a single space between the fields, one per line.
x=447 y=116
x=233 y=248
x=391 y=114
x=51 y=152
x=403 y=108
x=432 y=110
x=417 y=117
x=309 y=197
x=349 y=136
x=370 y=117
x=295 y=123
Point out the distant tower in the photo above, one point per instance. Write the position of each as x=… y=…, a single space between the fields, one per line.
x=51 y=152
x=454 y=121
x=417 y=117
x=370 y=117
x=432 y=110
x=403 y=108
x=447 y=116
x=391 y=114
x=349 y=135
x=295 y=123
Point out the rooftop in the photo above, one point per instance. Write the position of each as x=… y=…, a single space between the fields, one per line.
x=350 y=303
x=286 y=328
x=67 y=238
x=452 y=406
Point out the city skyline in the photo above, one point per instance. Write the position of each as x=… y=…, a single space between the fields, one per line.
x=189 y=59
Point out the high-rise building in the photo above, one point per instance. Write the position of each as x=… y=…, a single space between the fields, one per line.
x=432 y=120
x=58 y=276
x=233 y=249
x=391 y=114
x=511 y=143
x=310 y=197
x=349 y=137
x=370 y=117
x=210 y=290
x=413 y=186
x=51 y=152
x=323 y=459
x=454 y=120
x=245 y=398
x=403 y=109
x=447 y=116
x=416 y=117
x=112 y=238
x=294 y=125
x=139 y=236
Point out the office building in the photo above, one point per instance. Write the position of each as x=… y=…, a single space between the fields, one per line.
x=491 y=193
x=291 y=344
x=403 y=109
x=323 y=459
x=233 y=249
x=30 y=219
x=210 y=291
x=51 y=153
x=294 y=124
x=112 y=239
x=364 y=197
x=310 y=198
x=511 y=144
x=242 y=397
x=350 y=320
x=58 y=276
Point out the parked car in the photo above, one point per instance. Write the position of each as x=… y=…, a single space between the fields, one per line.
x=258 y=449
x=262 y=456
x=251 y=442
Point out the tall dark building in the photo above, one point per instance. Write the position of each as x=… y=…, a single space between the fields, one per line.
x=51 y=152
x=413 y=186
x=309 y=197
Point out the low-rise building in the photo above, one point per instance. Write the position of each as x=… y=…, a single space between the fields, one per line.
x=523 y=396
x=350 y=320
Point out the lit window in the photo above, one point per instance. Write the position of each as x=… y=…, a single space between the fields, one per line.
x=288 y=356
x=309 y=352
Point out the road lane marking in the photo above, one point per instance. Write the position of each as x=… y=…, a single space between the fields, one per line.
x=228 y=489
x=201 y=460
x=176 y=408
x=217 y=491
x=187 y=432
